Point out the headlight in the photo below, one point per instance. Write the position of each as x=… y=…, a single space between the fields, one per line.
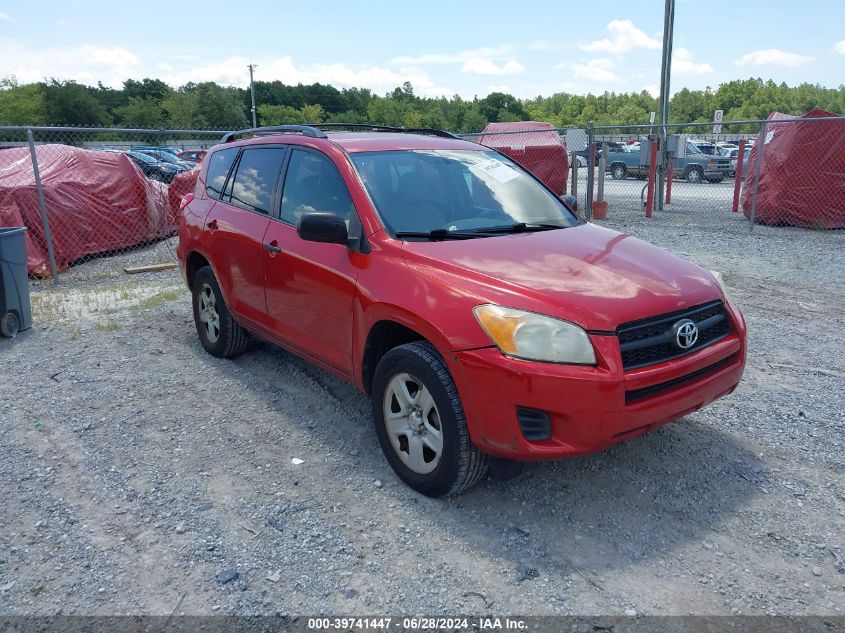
x=535 y=337
x=721 y=281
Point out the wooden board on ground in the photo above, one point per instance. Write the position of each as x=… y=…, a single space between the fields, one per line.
x=134 y=270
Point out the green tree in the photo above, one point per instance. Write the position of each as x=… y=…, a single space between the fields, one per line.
x=183 y=111
x=69 y=103
x=21 y=105
x=141 y=113
x=221 y=108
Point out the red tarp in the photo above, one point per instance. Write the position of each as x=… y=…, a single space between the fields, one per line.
x=183 y=183
x=534 y=145
x=96 y=202
x=802 y=176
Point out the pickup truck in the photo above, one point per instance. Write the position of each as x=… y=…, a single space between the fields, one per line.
x=694 y=167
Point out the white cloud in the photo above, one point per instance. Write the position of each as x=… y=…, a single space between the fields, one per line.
x=86 y=63
x=89 y=64
x=481 y=66
x=487 y=52
x=599 y=70
x=653 y=90
x=624 y=37
x=839 y=47
x=684 y=62
x=773 y=57
x=6 y=17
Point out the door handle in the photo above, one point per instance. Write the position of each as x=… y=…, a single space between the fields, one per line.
x=272 y=247
x=212 y=226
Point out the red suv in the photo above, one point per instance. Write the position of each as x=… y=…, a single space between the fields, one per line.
x=485 y=320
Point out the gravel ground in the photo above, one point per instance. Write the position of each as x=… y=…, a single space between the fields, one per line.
x=140 y=475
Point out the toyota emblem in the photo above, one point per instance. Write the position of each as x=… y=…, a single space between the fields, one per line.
x=685 y=333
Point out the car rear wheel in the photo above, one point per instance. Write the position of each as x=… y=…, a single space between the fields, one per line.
x=694 y=174
x=618 y=171
x=420 y=422
x=218 y=331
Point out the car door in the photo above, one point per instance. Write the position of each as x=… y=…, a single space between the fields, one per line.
x=236 y=226
x=310 y=286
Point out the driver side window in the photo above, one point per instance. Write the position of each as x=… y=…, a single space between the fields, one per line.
x=313 y=183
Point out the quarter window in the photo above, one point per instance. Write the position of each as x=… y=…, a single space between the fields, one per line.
x=313 y=183
x=218 y=169
x=255 y=179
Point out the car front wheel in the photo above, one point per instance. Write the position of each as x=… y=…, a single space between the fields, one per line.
x=218 y=331
x=420 y=422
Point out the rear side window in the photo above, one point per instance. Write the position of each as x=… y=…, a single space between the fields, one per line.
x=255 y=179
x=218 y=168
x=313 y=183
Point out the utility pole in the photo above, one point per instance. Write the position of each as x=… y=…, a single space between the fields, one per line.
x=665 y=74
x=252 y=92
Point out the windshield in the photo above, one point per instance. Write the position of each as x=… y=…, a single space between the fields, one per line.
x=456 y=191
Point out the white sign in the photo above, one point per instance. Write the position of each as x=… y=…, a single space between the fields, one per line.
x=651 y=116
x=498 y=170
x=717 y=118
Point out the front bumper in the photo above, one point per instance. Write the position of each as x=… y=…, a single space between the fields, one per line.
x=590 y=408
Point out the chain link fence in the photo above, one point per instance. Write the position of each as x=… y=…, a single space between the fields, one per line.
x=96 y=202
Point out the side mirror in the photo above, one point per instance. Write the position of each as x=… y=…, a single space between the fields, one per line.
x=571 y=202
x=323 y=227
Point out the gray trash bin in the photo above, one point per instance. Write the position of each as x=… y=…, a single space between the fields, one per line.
x=15 y=311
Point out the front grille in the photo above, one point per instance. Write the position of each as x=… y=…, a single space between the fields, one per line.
x=650 y=341
x=653 y=390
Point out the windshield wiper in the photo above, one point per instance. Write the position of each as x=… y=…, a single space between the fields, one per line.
x=519 y=227
x=437 y=234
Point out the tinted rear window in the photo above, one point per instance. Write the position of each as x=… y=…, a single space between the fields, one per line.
x=218 y=168
x=256 y=178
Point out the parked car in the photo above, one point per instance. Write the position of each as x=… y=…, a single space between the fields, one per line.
x=152 y=168
x=694 y=167
x=192 y=155
x=612 y=146
x=707 y=148
x=169 y=150
x=167 y=157
x=486 y=322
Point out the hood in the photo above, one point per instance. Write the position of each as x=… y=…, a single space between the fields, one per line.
x=592 y=276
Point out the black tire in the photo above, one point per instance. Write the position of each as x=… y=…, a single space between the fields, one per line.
x=231 y=339
x=461 y=465
x=618 y=171
x=694 y=174
x=715 y=180
x=9 y=325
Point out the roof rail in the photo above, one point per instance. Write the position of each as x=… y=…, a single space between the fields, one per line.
x=386 y=128
x=305 y=130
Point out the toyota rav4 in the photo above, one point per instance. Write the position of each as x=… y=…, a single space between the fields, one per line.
x=487 y=323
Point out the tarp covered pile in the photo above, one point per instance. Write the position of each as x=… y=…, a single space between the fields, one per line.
x=533 y=144
x=802 y=176
x=96 y=202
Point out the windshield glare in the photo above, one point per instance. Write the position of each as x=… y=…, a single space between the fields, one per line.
x=454 y=190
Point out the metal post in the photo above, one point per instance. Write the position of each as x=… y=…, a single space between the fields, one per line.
x=252 y=93
x=759 y=163
x=665 y=75
x=574 y=170
x=591 y=170
x=42 y=206
x=602 y=167
x=652 y=171
x=670 y=173
x=738 y=175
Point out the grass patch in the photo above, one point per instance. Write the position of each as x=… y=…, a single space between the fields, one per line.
x=165 y=296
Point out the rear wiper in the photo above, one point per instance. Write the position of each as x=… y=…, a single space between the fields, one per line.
x=519 y=227
x=437 y=234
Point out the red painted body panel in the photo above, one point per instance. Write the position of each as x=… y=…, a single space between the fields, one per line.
x=323 y=300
